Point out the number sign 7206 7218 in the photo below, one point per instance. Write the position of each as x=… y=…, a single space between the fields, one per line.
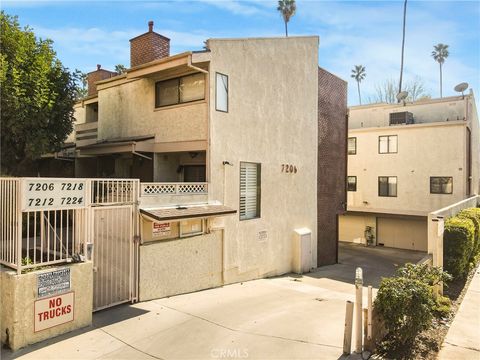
x=49 y=194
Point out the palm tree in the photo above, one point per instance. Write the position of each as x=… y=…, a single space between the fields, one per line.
x=440 y=53
x=358 y=73
x=403 y=47
x=287 y=8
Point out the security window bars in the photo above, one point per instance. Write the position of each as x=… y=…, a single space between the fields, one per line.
x=221 y=92
x=249 y=190
x=388 y=144
x=351 y=183
x=352 y=146
x=387 y=186
x=441 y=185
x=180 y=90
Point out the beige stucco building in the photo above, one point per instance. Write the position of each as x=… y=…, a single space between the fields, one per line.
x=228 y=135
x=406 y=160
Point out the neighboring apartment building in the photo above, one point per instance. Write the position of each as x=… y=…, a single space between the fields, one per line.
x=256 y=119
x=406 y=160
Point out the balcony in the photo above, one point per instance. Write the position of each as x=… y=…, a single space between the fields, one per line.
x=86 y=133
x=163 y=194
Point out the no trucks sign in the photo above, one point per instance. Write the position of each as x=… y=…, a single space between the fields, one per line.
x=54 y=311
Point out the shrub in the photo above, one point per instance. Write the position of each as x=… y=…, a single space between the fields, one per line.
x=442 y=307
x=458 y=243
x=430 y=275
x=474 y=215
x=406 y=307
x=407 y=302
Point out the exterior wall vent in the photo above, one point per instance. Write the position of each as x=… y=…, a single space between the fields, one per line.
x=401 y=118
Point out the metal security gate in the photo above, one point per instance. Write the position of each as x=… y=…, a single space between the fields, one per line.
x=112 y=255
x=115 y=249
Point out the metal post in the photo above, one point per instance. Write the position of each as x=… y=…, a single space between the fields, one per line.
x=358 y=310
x=370 y=309
x=347 y=336
x=18 y=213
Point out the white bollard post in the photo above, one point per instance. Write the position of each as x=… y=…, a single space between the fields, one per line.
x=347 y=336
x=358 y=310
x=370 y=309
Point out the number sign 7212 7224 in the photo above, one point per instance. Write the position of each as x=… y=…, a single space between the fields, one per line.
x=49 y=194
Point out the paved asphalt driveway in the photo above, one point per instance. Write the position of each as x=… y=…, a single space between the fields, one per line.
x=288 y=317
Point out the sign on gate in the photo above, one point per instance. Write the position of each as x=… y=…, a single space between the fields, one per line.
x=54 y=311
x=53 y=282
x=50 y=194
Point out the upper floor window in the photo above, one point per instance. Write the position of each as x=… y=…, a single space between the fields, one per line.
x=387 y=144
x=352 y=145
x=387 y=186
x=221 y=92
x=180 y=90
x=249 y=190
x=441 y=185
x=351 y=183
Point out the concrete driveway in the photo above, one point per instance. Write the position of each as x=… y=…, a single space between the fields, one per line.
x=288 y=317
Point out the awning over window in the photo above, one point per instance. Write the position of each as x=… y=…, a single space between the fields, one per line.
x=187 y=212
x=119 y=145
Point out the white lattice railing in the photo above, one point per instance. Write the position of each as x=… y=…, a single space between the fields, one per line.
x=154 y=189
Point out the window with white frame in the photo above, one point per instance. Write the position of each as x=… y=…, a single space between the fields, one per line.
x=249 y=190
x=388 y=144
x=221 y=92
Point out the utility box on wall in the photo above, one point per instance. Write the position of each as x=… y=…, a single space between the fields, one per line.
x=302 y=250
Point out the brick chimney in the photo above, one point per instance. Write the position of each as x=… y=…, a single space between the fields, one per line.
x=148 y=47
x=97 y=75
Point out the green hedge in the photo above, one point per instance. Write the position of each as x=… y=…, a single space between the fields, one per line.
x=474 y=215
x=458 y=245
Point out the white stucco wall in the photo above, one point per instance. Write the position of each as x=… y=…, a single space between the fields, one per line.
x=272 y=120
x=474 y=126
x=129 y=110
x=18 y=294
x=424 y=150
x=428 y=111
x=171 y=267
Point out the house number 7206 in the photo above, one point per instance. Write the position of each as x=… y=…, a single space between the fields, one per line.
x=289 y=168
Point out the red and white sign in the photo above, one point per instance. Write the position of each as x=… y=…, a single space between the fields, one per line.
x=54 y=311
x=161 y=229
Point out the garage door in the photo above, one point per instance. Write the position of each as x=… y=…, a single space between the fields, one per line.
x=402 y=233
x=352 y=228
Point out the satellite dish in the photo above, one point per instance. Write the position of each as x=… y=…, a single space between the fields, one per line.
x=401 y=96
x=461 y=88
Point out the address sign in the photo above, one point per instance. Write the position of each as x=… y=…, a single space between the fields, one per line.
x=50 y=194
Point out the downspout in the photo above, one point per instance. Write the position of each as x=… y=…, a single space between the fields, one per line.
x=189 y=64
x=138 y=154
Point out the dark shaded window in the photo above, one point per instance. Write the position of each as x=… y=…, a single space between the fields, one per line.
x=441 y=185
x=352 y=146
x=180 y=90
x=351 y=183
x=387 y=186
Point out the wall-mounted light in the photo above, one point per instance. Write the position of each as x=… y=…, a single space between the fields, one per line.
x=226 y=163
